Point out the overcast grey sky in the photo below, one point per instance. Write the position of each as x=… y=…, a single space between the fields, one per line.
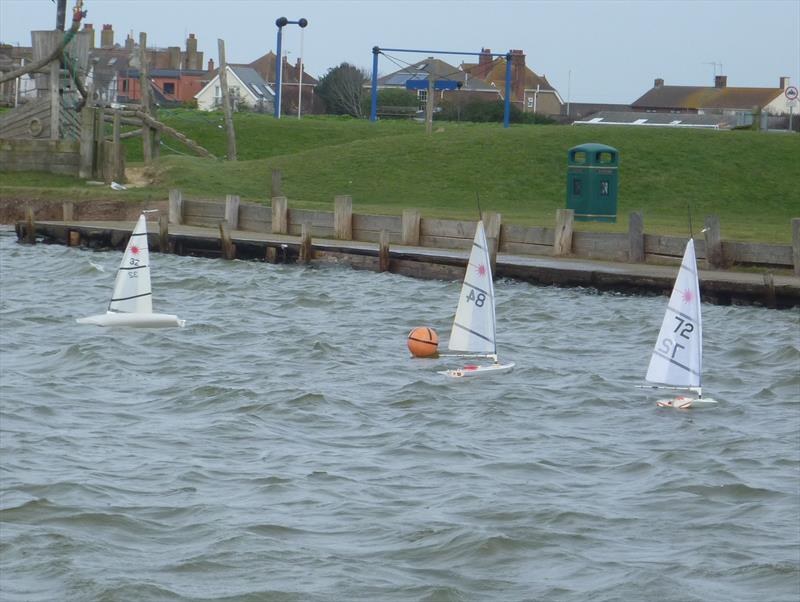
x=590 y=51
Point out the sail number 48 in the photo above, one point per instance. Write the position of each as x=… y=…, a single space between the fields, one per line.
x=478 y=299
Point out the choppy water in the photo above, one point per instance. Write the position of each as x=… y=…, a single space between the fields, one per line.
x=283 y=446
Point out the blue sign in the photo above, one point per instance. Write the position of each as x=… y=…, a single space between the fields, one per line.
x=439 y=84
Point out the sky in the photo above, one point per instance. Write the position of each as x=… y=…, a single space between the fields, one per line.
x=590 y=51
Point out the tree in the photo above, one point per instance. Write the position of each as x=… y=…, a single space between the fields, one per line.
x=342 y=88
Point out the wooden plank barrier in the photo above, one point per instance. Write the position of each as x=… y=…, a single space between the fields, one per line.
x=343 y=217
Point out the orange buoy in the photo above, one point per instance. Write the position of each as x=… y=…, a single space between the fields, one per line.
x=423 y=342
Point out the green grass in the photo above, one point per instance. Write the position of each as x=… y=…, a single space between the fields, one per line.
x=749 y=179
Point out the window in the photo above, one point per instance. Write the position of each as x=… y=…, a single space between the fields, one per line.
x=124 y=85
x=422 y=95
x=169 y=88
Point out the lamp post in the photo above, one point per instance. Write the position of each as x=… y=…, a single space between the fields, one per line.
x=281 y=22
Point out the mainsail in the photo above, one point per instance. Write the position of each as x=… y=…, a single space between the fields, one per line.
x=474 y=325
x=132 y=292
x=677 y=359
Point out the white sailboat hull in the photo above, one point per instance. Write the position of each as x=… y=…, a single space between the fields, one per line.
x=114 y=319
x=471 y=371
x=686 y=403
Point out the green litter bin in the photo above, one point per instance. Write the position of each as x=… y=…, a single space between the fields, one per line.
x=592 y=182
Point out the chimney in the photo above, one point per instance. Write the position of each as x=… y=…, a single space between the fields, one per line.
x=107 y=37
x=485 y=57
x=784 y=82
x=130 y=43
x=192 y=60
x=518 y=74
x=89 y=28
x=659 y=83
x=720 y=81
x=174 y=57
x=210 y=65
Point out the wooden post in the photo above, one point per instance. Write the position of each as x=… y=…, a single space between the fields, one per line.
x=163 y=233
x=383 y=252
x=232 y=211
x=228 y=248
x=271 y=255
x=492 y=222
x=118 y=165
x=562 y=243
x=55 y=99
x=99 y=137
x=306 y=250
x=226 y=100
x=769 y=294
x=343 y=217
x=636 y=238
x=74 y=239
x=144 y=94
x=69 y=211
x=30 y=230
x=714 y=256
x=411 y=221
x=175 y=207
x=280 y=214
x=796 y=245
x=277 y=175
x=87 y=142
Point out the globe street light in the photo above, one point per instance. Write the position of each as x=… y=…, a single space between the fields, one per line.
x=281 y=22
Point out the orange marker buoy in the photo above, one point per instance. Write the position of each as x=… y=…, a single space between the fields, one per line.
x=423 y=342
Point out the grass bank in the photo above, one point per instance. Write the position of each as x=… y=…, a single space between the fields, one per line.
x=749 y=179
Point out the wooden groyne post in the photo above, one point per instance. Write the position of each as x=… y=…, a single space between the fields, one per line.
x=383 y=252
x=175 y=207
x=228 y=248
x=232 y=203
x=275 y=189
x=796 y=245
x=30 y=230
x=163 y=233
x=280 y=215
x=714 y=254
x=636 y=238
x=343 y=217
x=562 y=241
x=306 y=250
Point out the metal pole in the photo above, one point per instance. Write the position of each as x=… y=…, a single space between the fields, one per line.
x=373 y=114
x=507 y=112
x=278 y=66
x=300 y=83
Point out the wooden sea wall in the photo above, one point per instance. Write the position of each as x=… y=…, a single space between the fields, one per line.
x=53 y=156
x=413 y=229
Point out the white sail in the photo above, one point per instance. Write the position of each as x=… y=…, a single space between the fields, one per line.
x=132 y=300
x=677 y=359
x=132 y=292
x=474 y=325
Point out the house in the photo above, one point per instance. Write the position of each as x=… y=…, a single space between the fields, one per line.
x=741 y=103
x=530 y=92
x=247 y=88
x=467 y=87
x=290 y=84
